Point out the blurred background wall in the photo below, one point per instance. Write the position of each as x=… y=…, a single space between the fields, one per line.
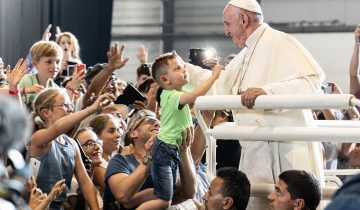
x=22 y=23
x=325 y=27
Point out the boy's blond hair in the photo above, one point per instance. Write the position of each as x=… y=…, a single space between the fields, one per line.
x=45 y=49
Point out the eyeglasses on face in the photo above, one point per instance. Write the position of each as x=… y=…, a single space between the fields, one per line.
x=65 y=105
x=91 y=143
x=141 y=120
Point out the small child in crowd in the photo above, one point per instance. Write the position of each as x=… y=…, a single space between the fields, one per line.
x=169 y=72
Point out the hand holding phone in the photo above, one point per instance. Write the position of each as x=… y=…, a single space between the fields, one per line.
x=129 y=96
x=80 y=68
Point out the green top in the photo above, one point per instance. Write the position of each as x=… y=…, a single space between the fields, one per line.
x=28 y=81
x=174 y=117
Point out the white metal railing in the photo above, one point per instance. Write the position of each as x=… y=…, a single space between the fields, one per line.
x=341 y=172
x=335 y=101
x=264 y=189
x=337 y=123
x=347 y=132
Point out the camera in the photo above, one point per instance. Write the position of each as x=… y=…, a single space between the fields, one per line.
x=197 y=55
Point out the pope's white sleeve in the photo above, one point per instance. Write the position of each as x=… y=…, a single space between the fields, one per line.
x=303 y=85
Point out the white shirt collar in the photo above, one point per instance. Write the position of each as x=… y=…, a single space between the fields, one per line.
x=252 y=39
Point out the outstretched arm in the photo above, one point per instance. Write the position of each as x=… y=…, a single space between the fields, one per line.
x=44 y=136
x=187 y=187
x=115 y=61
x=203 y=88
x=354 y=64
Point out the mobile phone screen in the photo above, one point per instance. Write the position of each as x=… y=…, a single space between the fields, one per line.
x=70 y=70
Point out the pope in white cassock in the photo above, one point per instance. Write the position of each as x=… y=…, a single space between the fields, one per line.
x=270 y=62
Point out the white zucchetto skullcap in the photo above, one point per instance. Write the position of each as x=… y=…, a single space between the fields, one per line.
x=250 y=5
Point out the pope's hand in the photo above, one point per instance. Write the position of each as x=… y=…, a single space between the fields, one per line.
x=249 y=95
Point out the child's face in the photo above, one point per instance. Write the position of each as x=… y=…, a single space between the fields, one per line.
x=177 y=74
x=61 y=108
x=66 y=44
x=48 y=67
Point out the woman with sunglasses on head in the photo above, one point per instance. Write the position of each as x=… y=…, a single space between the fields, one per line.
x=58 y=154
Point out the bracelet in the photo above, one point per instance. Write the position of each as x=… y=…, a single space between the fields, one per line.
x=13 y=92
x=72 y=90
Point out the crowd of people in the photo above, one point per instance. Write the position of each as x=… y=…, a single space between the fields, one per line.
x=81 y=150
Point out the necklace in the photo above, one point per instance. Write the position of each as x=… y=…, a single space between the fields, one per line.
x=244 y=71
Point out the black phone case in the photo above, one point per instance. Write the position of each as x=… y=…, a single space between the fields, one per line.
x=129 y=96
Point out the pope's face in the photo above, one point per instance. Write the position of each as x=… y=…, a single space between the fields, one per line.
x=234 y=25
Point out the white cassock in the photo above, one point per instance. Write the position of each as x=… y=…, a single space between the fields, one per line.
x=279 y=64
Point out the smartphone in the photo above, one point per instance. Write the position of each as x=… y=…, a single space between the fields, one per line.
x=34 y=166
x=129 y=96
x=70 y=70
x=80 y=68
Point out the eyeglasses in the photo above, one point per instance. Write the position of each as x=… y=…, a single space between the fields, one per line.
x=91 y=143
x=65 y=105
x=140 y=120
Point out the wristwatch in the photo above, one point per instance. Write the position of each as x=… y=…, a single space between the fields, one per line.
x=146 y=160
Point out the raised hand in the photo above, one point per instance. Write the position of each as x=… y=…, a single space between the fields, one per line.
x=139 y=105
x=102 y=101
x=210 y=62
x=357 y=34
x=58 y=32
x=57 y=189
x=150 y=142
x=46 y=35
x=115 y=60
x=216 y=71
x=142 y=54
x=1 y=64
x=187 y=139
x=34 y=89
x=77 y=79
x=14 y=76
x=36 y=198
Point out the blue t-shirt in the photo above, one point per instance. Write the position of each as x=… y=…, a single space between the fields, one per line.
x=121 y=164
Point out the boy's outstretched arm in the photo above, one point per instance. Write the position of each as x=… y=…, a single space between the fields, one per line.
x=202 y=89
